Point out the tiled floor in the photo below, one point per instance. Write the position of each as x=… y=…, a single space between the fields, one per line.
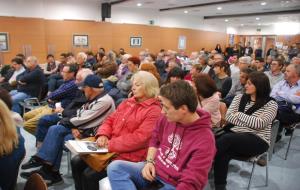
x=283 y=174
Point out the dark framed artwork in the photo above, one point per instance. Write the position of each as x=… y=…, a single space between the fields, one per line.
x=80 y=40
x=135 y=41
x=4 y=46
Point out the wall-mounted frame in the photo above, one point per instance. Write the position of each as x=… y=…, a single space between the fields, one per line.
x=4 y=46
x=135 y=41
x=80 y=40
x=182 y=42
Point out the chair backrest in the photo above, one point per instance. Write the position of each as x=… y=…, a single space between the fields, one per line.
x=32 y=102
x=274 y=131
x=223 y=110
x=35 y=182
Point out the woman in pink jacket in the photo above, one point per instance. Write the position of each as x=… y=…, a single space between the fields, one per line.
x=126 y=132
x=208 y=96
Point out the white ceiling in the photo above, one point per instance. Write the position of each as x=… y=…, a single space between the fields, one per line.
x=246 y=6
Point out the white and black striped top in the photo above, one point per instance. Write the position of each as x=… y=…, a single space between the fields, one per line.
x=259 y=123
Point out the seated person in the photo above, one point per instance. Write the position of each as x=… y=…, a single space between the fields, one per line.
x=181 y=149
x=259 y=64
x=9 y=81
x=12 y=149
x=99 y=105
x=287 y=95
x=248 y=131
x=150 y=67
x=175 y=74
x=222 y=78
x=239 y=87
x=29 y=83
x=196 y=69
x=55 y=79
x=107 y=71
x=126 y=132
x=208 y=97
x=275 y=75
x=63 y=95
x=51 y=67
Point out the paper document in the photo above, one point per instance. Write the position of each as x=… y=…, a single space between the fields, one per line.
x=84 y=147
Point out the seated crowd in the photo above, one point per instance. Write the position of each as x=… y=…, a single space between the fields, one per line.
x=169 y=119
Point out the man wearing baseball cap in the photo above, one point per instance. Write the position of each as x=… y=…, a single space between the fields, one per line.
x=88 y=118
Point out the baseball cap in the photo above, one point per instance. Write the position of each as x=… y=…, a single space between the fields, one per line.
x=92 y=81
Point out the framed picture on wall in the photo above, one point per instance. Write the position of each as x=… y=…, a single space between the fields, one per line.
x=182 y=42
x=135 y=41
x=4 y=41
x=80 y=40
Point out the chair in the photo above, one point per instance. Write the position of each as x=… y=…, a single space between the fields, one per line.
x=35 y=182
x=292 y=127
x=268 y=154
x=31 y=104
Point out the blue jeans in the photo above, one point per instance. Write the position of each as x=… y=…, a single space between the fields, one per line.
x=18 y=97
x=52 y=147
x=128 y=175
x=43 y=125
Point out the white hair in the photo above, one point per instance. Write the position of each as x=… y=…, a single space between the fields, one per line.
x=82 y=55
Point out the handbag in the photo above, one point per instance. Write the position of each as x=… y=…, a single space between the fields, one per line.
x=97 y=162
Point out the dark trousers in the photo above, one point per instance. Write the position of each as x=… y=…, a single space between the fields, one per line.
x=231 y=145
x=286 y=117
x=85 y=178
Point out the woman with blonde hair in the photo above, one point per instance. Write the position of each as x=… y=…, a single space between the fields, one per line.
x=11 y=148
x=126 y=132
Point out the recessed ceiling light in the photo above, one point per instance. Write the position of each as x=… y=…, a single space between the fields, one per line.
x=263 y=3
x=219 y=8
x=186 y=12
x=258 y=24
x=226 y=20
x=257 y=18
x=139 y=4
x=242 y=24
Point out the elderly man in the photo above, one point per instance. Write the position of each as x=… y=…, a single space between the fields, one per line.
x=81 y=59
x=84 y=124
x=287 y=95
x=29 y=83
x=63 y=96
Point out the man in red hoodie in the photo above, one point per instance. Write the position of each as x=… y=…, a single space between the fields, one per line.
x=181 y=150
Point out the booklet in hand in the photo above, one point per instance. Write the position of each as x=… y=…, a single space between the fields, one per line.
x=84 y=147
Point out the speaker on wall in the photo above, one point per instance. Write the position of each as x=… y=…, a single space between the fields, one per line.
x=105 y=11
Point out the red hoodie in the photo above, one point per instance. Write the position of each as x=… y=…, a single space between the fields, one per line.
x=184 y=159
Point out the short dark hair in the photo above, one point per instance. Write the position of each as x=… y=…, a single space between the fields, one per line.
x=247 y=70
x=64 y=55
x=72 y=68
x=205 y=85
x=20 y=55
x=180 y=93
x=175 y=72
x=89 y=53
x=18 y=60
x=260 y=59
x=50 y=55
x=225 y=65
x=6 y=98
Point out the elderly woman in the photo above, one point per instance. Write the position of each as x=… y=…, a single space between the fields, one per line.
x=208 y=97
x=248 y=133
x=126 y=132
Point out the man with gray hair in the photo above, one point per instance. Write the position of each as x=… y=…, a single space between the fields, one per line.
x=287 y=95
x=29 y=83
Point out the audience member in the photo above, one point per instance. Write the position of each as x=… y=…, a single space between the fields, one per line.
x=181 y=149
x=208 y=97
x=175 y=74
x=260 y=64
x=234 y=64
x=9 y=81
x=126 y=132
x=99 y=105
x=287 y=95
x=63 y=96
x=29 y=83
x=250 y=118
x=150 y=67
x=51 y=66
x=12 y=149
x=275 y=75
x=222 y=79
x=248 y=50
x=218 y=48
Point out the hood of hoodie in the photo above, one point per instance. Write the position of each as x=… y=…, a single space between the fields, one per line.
x=179 y=142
